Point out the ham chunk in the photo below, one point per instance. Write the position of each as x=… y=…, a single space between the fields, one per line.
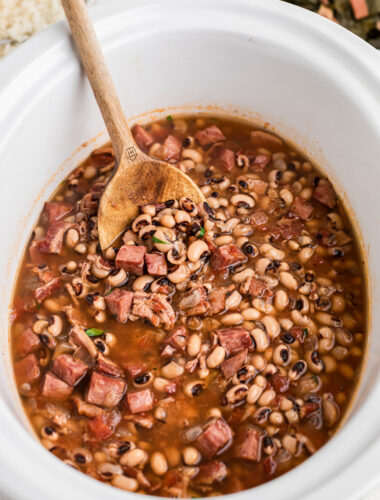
x=44 y=291
x=226 y=160
x=105 y=365
x=260 y=163
x=86 y=409
x=142 y=137
x=156 y=264
x=178 y=338
x=217 y=299
x=196 y=302
x=226 y=256
x=175 y=484
x=53 y=241
x=325 y=193
x=140 y=401
x=155 y=308
x=105 y=391
x=209 y=135
x=232 y=365
x=259 y=218
x=360 y=8
x=131 y=259
x=248 y=183
x=261 y=139
x=119 y=303
x=27 y=369
x=234 y=340
x=102 y=426
x=54 y=210
x=248 y=444
x=256 y=288
x=302 y=208
x=79 y=338
x=69 y=369
x=211 y=472
x=280 y=383
x=171 y=148
x=215 y=438
x=287 y=229
x=55 y=388
x=133 y=369
x=27 y=342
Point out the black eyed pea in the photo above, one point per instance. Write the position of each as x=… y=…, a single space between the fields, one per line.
x=272 y=326
x=290 y=443
x=214 y=413
x=191 y=455
x=107 y=470
x=142 y=283
x=281 y=355
x=187 y=204
x=40 y=325
x=270 y=369
x=231 y=319
x=81 y=456
x=330 y=409
x=267 y=397
x=177 y=254
x=262 y=265
x=194 y=388
x=251 y=314
x=242 y=230
x=124 y=482
x=55 y=325
x=158 y=463
x=288 y=280
x=182 y=217
x=262 y=414
x=340 y=352
x=292 y=416
x=236 y=394
x=281 y=300
x=271 y=252
x=143 y=380
x=117 y=279
x=48 y=432
x=256 y=389
x=193 y=345
x=192 y=154
x=298 y=369
x=327 y=342
x=197 y=250
x=328 y=319
x=260 y=339
x=160 y=384
x=172 y=370
x=259 y=362
x=146 y=232
x=314 y=363
x=165 y=235
x=233 y=300
x=223 y=240
x=344 y=337
x=133 y=458
x=287 y=196
x=262 y=305
x=167 y=220
x=72 y=238
x=242 y=201
x=241 y=276
x=276 y=418
x=230 y=224
x=141 y=221
x=244 y=375
x=216 y=357
x=180 y=274
x=305 y=254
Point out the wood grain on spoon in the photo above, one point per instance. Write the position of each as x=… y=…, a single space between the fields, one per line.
x=138 y=178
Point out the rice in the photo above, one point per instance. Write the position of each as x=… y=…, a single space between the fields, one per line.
x=20 y=19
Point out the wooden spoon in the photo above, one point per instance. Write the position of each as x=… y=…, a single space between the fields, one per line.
x=138 y=178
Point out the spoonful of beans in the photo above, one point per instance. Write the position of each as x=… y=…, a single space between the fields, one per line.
x=137 y=179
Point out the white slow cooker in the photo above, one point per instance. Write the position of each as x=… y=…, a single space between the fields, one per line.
x=313 y=81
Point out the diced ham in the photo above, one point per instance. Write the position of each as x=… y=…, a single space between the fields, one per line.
x=287 y=229
x=140 y=401
x=217 y=299
x=79 y=338
x=27 y=342
x=215 y=438
x=248 y=444
x=105 y=365
x=256 y=288
x=131 y=259
x=259 y=218
x=104 y=390
x=226 y=256
x=260 y=163
x=142 y=137
x=261 y=139
x=302 y=208
x=209 y=135
x=248 y=183
x=144 y=420
x=69 y=369
x=27 y=369
x=234 y=340
x=54 y=210
x=298 y=333
x=178 y=338
x=175 y=484
x=308 y=408
x=196 y=302
x=232 y=365
x=226 y=160
x=55 y=388
x=360 y=8
x=119 y=303
x=87 y=409
x=133 y=369
x=89 y=204
x=325 y=193
x=211 y=472
x=280 y=383
x=102 y=426
x=171 y=148
x=44 y=291
x=52 y=243
x=156 y=264
x=102 y=156
x=155 y=308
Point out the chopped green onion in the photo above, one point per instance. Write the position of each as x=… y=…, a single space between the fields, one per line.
x=94 y=332
x=305 y=332
x=201 y=232
x=157 y=240
x=109 y=291
x=169 y=118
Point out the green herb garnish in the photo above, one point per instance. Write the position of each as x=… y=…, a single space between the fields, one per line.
x=305 y=332
x=109 y=291
x=315 y=378
x=157 y=240
x=94 y=332
x=169 y=118
x=201 y=232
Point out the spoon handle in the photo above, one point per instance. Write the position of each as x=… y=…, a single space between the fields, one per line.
x=99 y=77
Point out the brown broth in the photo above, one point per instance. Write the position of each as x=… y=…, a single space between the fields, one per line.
x=139 y=342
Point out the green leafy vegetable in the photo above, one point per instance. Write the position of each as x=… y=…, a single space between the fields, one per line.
x=109 y=291
x=94 y=332
x=201 y=232
x=169 y=118
x=305 y=332
x=157 y=240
